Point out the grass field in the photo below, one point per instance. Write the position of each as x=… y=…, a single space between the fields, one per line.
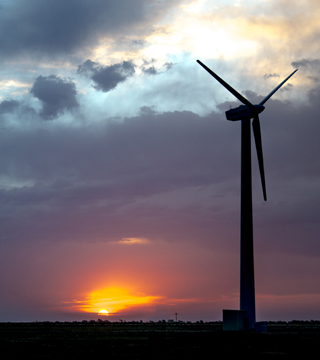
x=103 y=340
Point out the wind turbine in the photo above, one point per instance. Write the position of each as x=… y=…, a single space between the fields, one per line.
x=245 y=113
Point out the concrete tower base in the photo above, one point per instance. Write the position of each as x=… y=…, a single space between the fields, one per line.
x=234 y=320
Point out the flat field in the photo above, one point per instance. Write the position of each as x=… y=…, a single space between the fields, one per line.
x=129 y=340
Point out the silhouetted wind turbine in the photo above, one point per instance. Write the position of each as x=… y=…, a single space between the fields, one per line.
x=245 y=113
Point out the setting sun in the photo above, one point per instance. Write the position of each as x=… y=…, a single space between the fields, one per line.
x=103 y=312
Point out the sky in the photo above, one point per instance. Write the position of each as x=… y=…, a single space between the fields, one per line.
x=120 y=175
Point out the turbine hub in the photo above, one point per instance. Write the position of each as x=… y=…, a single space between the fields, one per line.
x=258 y=108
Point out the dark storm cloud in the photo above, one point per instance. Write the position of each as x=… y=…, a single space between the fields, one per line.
x=56 y=95
x=60 y=26
x=133 y=178
x=92 y=174
x=148 y=149
x=8 y=106
x=106 y=78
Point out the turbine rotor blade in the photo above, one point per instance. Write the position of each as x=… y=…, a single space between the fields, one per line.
x=276 y=89
x=227 y=86
x=257 y=138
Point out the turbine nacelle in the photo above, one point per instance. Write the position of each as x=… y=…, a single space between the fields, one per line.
x=243 y=112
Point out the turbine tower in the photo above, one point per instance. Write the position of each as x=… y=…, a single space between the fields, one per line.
x=245 y=113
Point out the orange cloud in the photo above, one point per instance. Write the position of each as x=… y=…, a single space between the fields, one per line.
x=130 y=241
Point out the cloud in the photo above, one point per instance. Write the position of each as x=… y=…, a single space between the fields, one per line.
x=107 y=78
x=267 y=76
x=309 y=64
x=314 y=95
x=150 y=70
x=169 y=65
x=130 y=241
x=287 y=87
x=158 y=175
x=56 y=95
x=8 y=106
x=314 y=79
x=83 y=176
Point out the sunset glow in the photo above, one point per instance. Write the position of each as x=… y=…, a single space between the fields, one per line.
x=114 y=299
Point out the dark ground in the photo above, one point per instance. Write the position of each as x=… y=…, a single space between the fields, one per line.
x=102 y=340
